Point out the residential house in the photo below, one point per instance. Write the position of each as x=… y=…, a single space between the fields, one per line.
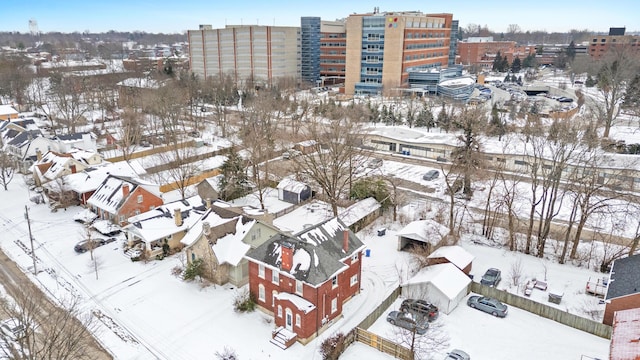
x=221 y=238
x=7 y=112
x=425 y=233
x=81 y=140
x=305 y=279
x=443 y=285
x=623 y=291
x=625 y=336
x=455 y=255
x=119 y=198
x=159 y=231
x=293 y=191
x=84 y=183
x=54 y=165
x=22 y=147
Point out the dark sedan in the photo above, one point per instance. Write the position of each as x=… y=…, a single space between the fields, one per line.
x=491 y=278
x=405 y=321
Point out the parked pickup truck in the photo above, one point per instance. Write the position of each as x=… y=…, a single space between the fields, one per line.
x=597 y=287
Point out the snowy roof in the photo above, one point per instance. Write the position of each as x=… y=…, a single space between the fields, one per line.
x=51 y=164
x=359 y=210
x=305 y=216
x=455 y=254
x=140 y=83
x=446 y=277
x=292 y=185
x=90 y=178
x=214 y=217
x=625 y=344
x=230 y=248
x=110 y=194
x=299 y=302
x=105 y=226
x=161 y=222
x=625 y=277
x=427 y=231
x=7 y=110
x=317 y=251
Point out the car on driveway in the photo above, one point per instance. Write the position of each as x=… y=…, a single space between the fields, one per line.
x=489 y=305
x=456 y=354
x=431 y=175
x=420 y=308
x=406 y=321
x=491 y=277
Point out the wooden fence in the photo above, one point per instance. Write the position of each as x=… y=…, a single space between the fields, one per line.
x=546 y=311
x=377 y=342
x=371 y=318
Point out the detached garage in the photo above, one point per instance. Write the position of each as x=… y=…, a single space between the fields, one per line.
x=293 y=191
x=421 y=233
x=443 y=285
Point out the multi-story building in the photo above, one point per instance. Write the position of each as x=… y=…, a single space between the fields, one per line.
x=324 y=49
x=382 y=48
x=246 y=52
x=616 y=38
x=481 y=51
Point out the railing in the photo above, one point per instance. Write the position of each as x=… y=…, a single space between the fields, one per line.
x=386 y=346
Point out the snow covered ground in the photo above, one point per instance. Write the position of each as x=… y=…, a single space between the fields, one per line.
x=148 y=313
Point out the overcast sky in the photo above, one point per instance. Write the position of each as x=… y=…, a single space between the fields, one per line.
x=178 y=16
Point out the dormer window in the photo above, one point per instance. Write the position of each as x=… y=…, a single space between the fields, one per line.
x=275 y=277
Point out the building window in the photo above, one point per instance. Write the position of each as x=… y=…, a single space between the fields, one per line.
x=298 y=287
x=298 y=320
x=354 y=280
x=274 y=294
x=139 y=199
x=261 y=292
x=354 y=257
x=334 y=305
x=334 y=282
x=275 y=277
x=279 y=311
x=261 y=271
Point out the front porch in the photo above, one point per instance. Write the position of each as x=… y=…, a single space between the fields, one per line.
x=283 y=338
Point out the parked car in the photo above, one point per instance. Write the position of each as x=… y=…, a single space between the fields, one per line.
x=374 y=163
x=491 y=278
x=431 y=175
x=86 y=245
x=404 y=320
x=420 y=308
x=456 y=354
x=488 y=305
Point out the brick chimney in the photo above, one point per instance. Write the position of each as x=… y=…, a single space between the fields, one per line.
x=206 y=228
x=177 y=216
x=125 y=190
x=207 y=203
x=286 y=262
x=73 y=168
x=345 y=241
x=38 y=154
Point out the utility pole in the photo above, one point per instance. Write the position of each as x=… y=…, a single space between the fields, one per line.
x=33 y=254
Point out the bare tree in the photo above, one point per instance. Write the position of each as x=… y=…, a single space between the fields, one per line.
x=67 y=95
x=130 y=131
x=47 y=332
x=7 y=167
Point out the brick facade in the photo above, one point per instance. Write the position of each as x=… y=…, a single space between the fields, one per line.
x=622 y=303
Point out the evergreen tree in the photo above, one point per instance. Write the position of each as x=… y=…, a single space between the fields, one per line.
x=632 y=94
x=496 y=126
x=497 y=62
x=504 y=65
x=443 y=118
x=233 y=180
x=529 y=61
x=516 y=65
x=590 y=82
x=571 y=51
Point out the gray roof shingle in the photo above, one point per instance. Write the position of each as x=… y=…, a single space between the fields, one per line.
x=625 y=277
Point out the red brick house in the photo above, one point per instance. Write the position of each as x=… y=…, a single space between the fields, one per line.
x=623 y=291
x=304 y=280
x=119 y=198
x=625 y=337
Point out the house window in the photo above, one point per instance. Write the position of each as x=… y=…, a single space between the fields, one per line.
x=334 y=305
x=354 y=280
x=274 y=293
x=354 y=257
x=298 y=287
x=275 y=277
x=139 y=199
x=121 y=217
x=261 y=271
x=261 y=292
x=334 y=282
x=298 y=320
x=279 y=311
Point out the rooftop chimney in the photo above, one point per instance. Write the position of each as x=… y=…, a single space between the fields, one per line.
x=73 y=168
x=38 y=154
x=207 y=203
x=125 y=190
x=177 y=216
x=206 y=228
x=345 y=241
x=286 y=262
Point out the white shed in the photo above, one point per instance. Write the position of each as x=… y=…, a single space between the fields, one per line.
x=443 y=285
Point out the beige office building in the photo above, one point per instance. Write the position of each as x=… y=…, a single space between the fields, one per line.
x=261 y=53
x=383 y=47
